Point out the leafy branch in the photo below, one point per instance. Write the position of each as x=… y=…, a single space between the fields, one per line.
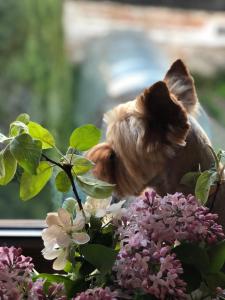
x=25 y=147
x=67 y=169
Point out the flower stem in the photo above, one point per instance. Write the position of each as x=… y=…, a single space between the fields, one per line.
x=70 y=176
x=67 y=169
x=52 y=161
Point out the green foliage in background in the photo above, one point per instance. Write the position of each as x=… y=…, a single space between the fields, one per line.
x=211 y=92
x=34 y=73
x=34 y=77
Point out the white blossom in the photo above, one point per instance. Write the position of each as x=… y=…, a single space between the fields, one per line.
x=61 y=234
x=99 y=208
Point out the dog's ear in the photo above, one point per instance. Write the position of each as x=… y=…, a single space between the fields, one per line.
x=181 y=84
x=166 y=119
x=103 y=156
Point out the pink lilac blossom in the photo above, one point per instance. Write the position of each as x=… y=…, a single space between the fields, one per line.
x=148 y=231
x=55 y=291
x=97 y=294
x=16 y=282
x=220 y=294
x=15 y=270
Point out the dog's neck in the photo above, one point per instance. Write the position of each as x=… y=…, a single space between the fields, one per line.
x=194 y=156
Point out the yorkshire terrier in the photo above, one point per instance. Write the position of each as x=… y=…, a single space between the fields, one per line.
x=153 y=140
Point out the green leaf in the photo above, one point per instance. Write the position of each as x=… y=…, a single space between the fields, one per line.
x=101 y=257
x=16 y=128
x=94 y=187
x=85 y=137
x=62 y=182
x=40 y=133
x=10 y=164
x=193 y=255
x=215 y=280
x=217 y=256
x=105 y=239
x=189 y=179
x=53 y=278
x=192 y=277
x=86 y=268
x=95 y=224
x=79 y=285
x=204 y=182
x=68 y=267
x=70 y=205
x=24 y=118
x=141 y=296
x=31 y=185
x=81 y=165
x=27 y=152
x=73 y=268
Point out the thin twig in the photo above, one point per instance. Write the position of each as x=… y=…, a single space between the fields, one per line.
x=67 y=170
x=52 y=161
x=70 y=176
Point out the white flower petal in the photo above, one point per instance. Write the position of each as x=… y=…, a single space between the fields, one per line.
x=50 y=254
x=64 y=217
x=63 y=239
x=115 y=207
x=79 y=221
x=97 y=207
x=100 y=213
x=51 y=232
x=55 y=234
x=60 y=262
x=53 y=219
x=87 y=216
x=80 y=238
x=50 y=243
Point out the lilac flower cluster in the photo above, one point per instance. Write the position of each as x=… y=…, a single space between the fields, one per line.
x=16 y=282
x=220 y=294
x=15 y=272
x=149 y=230
x=97 y=294
x=55 y=291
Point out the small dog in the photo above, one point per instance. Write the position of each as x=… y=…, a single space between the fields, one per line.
x=155 y=139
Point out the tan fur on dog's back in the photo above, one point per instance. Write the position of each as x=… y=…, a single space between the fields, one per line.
x=153 y=140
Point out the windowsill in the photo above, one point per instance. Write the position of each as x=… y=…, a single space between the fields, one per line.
x=21 y=228
x=26 y=234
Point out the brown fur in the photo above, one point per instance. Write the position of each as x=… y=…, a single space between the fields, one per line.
x=153 y=140
x=181 y=84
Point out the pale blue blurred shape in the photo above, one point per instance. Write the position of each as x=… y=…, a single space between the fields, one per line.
x=115 y=69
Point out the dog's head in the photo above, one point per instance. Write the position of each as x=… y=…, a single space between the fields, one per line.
x=144 y=133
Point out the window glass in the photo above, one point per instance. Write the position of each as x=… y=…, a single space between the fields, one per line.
x=67 y=62
x=35 y=77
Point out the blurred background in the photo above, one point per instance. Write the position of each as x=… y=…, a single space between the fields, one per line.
x=66 y=62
